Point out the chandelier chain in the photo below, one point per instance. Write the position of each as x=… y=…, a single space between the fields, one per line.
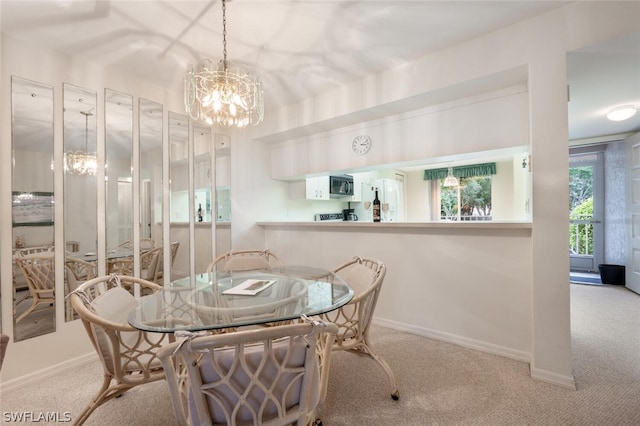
x=86 y=131
x=224 y=33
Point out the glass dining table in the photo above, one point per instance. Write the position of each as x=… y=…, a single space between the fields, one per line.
x=212 y=300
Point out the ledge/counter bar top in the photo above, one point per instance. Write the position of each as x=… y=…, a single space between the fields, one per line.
x=403 y=225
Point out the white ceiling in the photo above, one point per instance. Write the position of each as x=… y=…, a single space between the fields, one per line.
x=302 y=48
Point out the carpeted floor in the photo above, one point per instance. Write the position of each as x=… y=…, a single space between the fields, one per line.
x=440 y=383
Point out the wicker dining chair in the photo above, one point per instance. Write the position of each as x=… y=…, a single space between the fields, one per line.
x=128 y=356
x=365 y=276
x=38 y=271
x=269 y=376
x=244 y=260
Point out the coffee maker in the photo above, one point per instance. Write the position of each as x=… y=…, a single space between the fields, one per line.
x=348 y=214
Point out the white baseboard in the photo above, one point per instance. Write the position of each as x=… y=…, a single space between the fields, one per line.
x=37 y=376
x=538 y=374
x=456 y=340
x=553 y=378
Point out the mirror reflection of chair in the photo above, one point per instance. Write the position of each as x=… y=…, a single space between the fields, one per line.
x=145 y=244
x=80 y=269
x=262 y=376
x=365 y=276
x=244 y=260
x=127 y=355
x=38 y=270
x=128 y=244
x=151 y=265
x=21 y=252
x=4 y=342
x=120 y=265
x=160 y=272
x=174 y=251
x=77 y=271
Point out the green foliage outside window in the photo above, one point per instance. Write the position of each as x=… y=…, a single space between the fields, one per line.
x=581 y=209
x=475 y=198
x=580 y=185
x=581 y=234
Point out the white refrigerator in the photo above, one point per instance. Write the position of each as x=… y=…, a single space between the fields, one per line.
x=391 y=195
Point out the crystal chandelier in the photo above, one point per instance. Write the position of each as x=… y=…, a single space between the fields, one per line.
x=81 y=163
x=226 y=94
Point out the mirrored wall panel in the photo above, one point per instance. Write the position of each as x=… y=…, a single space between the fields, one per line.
x=179 y=197
x=32 y=208
x=151 y=247
x=118 y=181
x=80 y=184
x=204 y=198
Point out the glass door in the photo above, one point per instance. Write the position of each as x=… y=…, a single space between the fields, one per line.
x=586 y=211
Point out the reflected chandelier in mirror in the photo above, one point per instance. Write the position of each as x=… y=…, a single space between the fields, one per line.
x=81 y=162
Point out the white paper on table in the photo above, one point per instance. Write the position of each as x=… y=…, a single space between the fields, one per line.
x=250 y=287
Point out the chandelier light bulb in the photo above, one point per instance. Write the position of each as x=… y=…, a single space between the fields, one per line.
x=621 y=113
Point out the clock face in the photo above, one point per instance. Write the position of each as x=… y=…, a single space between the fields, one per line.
x=361 y=144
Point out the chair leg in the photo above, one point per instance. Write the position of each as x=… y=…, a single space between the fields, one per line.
x=366 y=349
x=104 y=394
x=30 y=309
x=34 y=304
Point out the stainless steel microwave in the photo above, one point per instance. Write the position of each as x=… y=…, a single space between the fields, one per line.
x=340 y=186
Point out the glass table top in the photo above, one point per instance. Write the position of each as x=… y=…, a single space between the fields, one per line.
x=210 y=301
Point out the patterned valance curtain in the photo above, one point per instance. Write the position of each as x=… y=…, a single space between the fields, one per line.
x=483 y=169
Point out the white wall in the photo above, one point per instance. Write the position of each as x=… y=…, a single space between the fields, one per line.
x=440 y=282
x=464 y=126
x=539 y=47
x=418 y=196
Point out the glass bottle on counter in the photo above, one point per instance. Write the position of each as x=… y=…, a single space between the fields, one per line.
x=376 y=208
x=199 y=212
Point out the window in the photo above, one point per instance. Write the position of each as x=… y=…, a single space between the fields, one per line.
x=469 y=201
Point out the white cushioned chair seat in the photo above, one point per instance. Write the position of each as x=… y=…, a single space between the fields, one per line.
x=114 y=305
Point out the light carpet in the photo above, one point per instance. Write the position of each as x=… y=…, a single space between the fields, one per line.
x=440 y=383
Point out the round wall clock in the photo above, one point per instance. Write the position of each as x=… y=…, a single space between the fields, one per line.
x=361 y=144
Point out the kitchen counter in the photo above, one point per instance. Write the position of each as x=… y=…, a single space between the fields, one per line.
x=402 y=225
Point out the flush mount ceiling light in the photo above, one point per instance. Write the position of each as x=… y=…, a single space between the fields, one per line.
x=450 y=180
x=82 y=163
x=225 y=93
x=621 y=113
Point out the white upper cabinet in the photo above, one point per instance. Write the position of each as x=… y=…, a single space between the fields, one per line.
x=318 y=188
